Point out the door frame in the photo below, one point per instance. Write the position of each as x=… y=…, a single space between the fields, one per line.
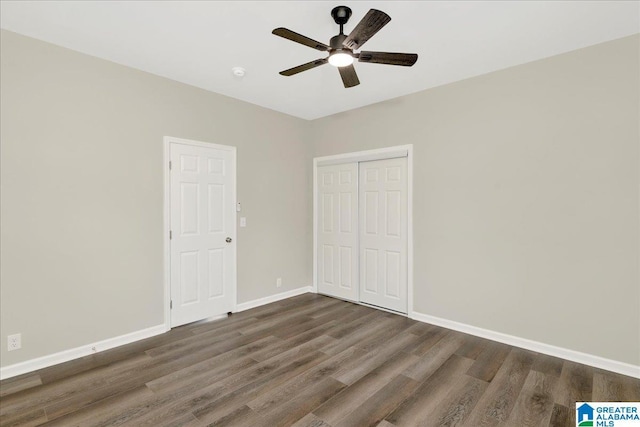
x=166 y=222
x=364 y=156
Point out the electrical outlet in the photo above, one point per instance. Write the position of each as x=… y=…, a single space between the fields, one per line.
x=279 y=282
x=14 y=342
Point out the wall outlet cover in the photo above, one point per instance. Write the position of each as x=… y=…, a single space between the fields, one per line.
x=14 y=342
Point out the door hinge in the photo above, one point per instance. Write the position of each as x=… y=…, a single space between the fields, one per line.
x=170 y=305
x=170 y=235
x=169 y=164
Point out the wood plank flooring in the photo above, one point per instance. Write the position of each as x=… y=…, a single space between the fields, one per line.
x=310 y=361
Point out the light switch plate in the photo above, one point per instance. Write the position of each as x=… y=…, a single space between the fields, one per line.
x=243 y=221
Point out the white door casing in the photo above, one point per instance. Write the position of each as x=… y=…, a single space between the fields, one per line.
x=383 y=233
x=202 y=218
x=337 y=232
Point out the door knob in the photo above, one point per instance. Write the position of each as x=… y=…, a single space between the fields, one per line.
x=228 y=239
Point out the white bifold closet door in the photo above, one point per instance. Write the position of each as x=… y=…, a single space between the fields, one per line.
x=362 y=232
x=383 y=233
x=337 y=231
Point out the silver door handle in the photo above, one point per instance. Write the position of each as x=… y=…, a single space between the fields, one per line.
x=228 y=239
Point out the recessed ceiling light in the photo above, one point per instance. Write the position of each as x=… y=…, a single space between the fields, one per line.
x=238 y=71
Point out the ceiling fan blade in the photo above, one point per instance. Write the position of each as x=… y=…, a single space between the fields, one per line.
x=349 y=76
x=391 y=58
x=304 y=67
x=372 y=22
x=299 y=38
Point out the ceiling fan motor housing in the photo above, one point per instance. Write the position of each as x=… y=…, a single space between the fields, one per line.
x=336 y=41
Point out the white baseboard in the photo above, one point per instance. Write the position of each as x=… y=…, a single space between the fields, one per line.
x=564 y=353
x=272 y=298
x=538 y=347
x=85 y=350
x=74 y=353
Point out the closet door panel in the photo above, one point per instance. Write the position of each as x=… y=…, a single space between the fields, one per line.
x=383 y=233
x=337 y=239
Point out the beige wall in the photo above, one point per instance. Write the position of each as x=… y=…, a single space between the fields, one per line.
x=526 y=202
x=82 y=194
x=526 y=191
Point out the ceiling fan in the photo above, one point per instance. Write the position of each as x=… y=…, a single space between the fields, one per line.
x=342 y=48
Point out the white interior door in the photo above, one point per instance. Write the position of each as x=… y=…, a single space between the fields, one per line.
x=383 y=233
x=337 y=232
x=203 y=231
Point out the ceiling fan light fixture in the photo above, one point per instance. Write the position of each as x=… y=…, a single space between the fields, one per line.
x=341 y=58
x=341 y=47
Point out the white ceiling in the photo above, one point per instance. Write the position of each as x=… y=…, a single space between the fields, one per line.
x=199 y=42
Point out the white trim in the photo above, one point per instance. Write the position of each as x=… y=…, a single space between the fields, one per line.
x=363 y=156
x=314 y=285
x=272 y=298
x=409 y=230
x=166 y=226
x=75 y=353
x=538 y=347
x=199 y=143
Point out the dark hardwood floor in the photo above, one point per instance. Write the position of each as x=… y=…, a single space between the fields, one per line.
x=310 y=361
